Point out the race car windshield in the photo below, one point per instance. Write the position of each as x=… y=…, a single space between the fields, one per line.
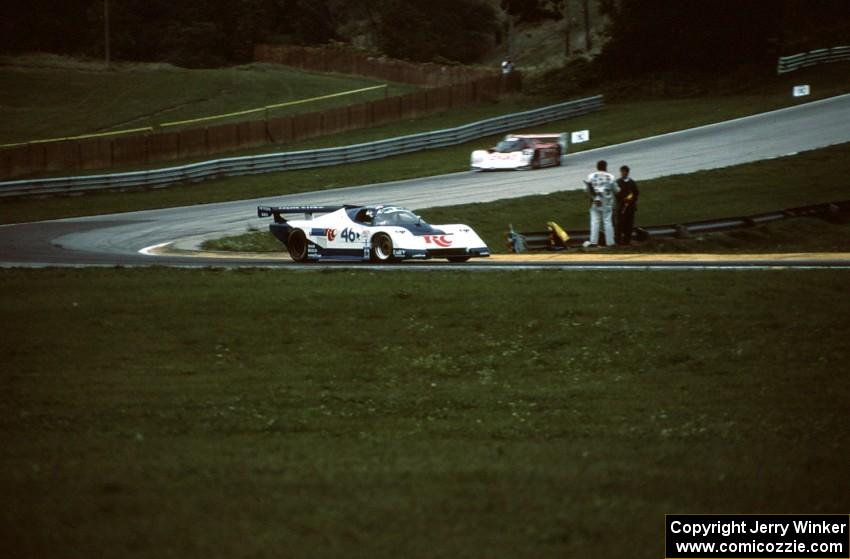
x=514 y=144
x=397 y=216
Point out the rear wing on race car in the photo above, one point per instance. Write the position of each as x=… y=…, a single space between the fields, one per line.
x=308 y=211
x=560 y=139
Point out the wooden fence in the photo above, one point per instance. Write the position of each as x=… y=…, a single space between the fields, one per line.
x=344 y=61
x=135 y=150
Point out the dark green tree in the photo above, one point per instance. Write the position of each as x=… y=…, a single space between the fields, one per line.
x=45 y=26
x=691 y=35
x=459 y=30
x=532 y=11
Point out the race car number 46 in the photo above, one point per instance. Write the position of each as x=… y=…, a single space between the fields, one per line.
x=349 y=235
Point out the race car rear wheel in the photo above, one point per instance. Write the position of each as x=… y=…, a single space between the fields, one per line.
x=382 y=248
x=297 y=245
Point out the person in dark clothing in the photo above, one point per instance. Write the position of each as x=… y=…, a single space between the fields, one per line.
x=627 y=199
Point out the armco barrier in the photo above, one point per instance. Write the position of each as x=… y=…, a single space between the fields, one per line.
x=287 y=161
x=541 y=240
x=796 y=61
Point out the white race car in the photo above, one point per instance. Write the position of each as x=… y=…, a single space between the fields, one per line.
x=378 y=233
x=522 y=151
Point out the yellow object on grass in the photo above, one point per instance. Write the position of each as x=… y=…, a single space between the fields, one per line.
x=558 y=231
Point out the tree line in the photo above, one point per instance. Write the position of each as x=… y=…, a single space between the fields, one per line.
x=216 y=32
x=644 y=36
x=641 y=35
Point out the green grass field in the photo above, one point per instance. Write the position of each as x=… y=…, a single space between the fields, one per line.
x=38 y=102
x=799 y=180
x=180 y=414
x=616 y=123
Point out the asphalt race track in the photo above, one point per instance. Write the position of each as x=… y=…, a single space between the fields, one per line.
x=116 y=239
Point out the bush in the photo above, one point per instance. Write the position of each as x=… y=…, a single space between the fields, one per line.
x=576 y=76
x=581 y=77
x=461 y=30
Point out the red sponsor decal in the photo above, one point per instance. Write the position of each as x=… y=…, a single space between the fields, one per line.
x=331 y=234
x=439 y=240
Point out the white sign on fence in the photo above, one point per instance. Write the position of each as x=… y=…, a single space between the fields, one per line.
x=580 y=136
x=801 y=90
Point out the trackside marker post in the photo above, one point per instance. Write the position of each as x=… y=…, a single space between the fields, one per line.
x=580 y=136
x=801 y=90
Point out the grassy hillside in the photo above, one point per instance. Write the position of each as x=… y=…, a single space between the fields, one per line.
x=48 y=97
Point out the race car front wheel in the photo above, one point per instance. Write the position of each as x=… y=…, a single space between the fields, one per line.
x=535 y=160
x=297 y=245
x=382 y=248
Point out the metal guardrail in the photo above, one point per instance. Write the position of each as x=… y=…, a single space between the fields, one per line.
x=796 y=61
x=544 y=240
x=308 y=159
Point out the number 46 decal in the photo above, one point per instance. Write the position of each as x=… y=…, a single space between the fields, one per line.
x=349 y=235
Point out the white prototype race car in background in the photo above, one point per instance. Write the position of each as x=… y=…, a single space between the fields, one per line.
x=377 y=233
x=522 y=151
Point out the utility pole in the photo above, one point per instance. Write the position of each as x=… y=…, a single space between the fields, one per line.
x=106 y=32
x=510 y=36
x=588 y=41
